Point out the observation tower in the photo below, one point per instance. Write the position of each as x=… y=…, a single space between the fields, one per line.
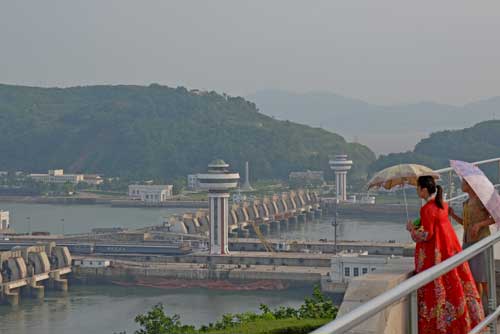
x=218 y=181
x=340 y=165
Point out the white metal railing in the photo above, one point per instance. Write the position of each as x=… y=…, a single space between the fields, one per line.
x=449 y=170
x=465 y=195
x=409 y=287
x=477 y=163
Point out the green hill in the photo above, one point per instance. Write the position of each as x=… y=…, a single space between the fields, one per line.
x=156 y=132
x=480 y=142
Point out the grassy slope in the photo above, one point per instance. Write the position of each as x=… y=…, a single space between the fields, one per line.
x=281 y=326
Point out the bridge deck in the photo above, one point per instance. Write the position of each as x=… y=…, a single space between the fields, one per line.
x=38 y=277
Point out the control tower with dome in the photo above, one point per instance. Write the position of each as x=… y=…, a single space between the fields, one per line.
x=218 y=181
x=341 y=165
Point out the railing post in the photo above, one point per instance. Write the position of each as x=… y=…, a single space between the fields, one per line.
x=498 y=171
x=492 y=286
x=450 y=188
x=413 y=313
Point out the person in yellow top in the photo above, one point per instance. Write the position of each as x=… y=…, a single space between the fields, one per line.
x=476 y=221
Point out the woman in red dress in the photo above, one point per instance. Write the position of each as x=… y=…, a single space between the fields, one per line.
x=451 y=303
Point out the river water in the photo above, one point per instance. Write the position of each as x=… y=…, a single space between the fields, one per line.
x=82 y=218
x=111 y=309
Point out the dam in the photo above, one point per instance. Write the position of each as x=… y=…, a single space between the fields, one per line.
x=29 y=270
x=271 y=214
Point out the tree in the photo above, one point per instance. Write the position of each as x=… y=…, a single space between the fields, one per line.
x=156 y=132
x=179 y=184
x=156 y=321
x=68 y=188
x=316 y=307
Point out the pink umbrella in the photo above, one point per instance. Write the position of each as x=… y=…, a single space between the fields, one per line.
x=481 y=185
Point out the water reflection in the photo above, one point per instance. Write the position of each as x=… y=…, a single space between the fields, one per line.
x=108 y=309
x=351 y=229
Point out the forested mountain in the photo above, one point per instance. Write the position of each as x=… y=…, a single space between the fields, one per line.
x=156 y=132
x=480 y=142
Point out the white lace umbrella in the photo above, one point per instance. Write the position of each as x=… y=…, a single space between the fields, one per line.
x=481 y=185
x=400 y=176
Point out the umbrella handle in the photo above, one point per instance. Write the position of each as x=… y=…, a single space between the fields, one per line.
x=406 y=204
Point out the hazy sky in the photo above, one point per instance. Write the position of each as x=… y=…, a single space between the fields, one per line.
x=384 y=51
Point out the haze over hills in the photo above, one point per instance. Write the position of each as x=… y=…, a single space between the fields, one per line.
x=385 y=129
x=479 y=142
x=156 y=132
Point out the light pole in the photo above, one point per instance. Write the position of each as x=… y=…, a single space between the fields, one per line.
x=62 y=226
x=28 y=222
x=334 y=223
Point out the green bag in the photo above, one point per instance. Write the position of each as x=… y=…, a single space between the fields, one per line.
x=417 y=223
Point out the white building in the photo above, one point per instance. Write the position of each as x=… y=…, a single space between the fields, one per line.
x=57 y=176
x=4 y=220
x=92 y=179
x=150 y=193
x=346 y=266
x=91 y=263
x=364 y=199
x=192 y=182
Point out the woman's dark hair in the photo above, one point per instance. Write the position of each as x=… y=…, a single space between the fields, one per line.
x=429 y=183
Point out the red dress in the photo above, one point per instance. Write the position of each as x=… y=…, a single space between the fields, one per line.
x=451 y=303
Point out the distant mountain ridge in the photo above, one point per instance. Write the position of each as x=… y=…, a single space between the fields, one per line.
x=384 y=129
x=156 y=132
x=479 y=142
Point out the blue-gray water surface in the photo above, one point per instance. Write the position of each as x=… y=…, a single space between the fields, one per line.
x=82 y=218
x=110 y=309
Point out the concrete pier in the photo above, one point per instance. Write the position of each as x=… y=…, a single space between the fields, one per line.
x=11 y=297
x=252 y=232
x=37 y=291
x=25 y=269
x=243 y=233
x=61 y=285
x=318 y=213
x=301 y=218
x=293 y=222
x=284 y=225
x=33 y=291
x=264 y=228
x=310 y=215
x=275 y=227
x=57 y=283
